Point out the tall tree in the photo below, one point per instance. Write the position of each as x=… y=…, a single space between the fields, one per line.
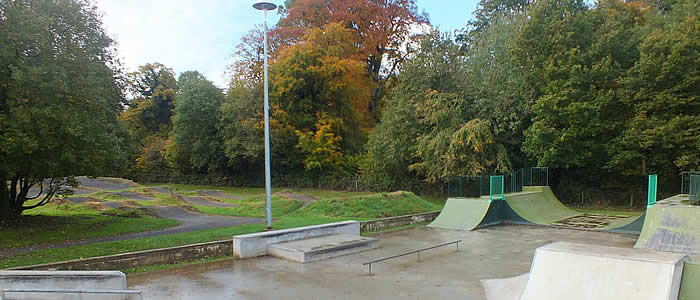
x=196 y=143
x=58 y=100
x=662 y=133
x=149 y=115
x=379 y=28
x=323 y=74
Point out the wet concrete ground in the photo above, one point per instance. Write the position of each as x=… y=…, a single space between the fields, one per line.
x=494 y=252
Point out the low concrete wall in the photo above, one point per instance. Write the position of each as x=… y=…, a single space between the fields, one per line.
x=200 y=251
x=142 y=258
x=255 y=244
x=392 y=222
x=73 y=280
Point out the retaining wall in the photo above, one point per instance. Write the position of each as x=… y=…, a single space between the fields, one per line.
x=198 y=251
x=141 y=258
x=393 y=222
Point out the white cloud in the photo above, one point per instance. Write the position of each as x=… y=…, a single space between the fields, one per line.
x=181 y=34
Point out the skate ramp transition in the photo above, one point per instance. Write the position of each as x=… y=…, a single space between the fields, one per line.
x=671 y=225
x=535 y=205
x=588 y=272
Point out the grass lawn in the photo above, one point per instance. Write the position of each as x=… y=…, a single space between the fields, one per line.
x=163 y=241
x=67 y=221
x=253 y=207
x=58 y=223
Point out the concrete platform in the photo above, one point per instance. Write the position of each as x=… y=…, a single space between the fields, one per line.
x=589 y=272
x=255 y=244
x=324 y=247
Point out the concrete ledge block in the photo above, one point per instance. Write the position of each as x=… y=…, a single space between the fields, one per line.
x=72 y=280
x=319 y=248
x=255 y=244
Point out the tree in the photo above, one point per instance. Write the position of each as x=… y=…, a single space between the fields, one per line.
x=661 y=92
x=576 y=59
x=150 y=112
x=58 y=101
x=379 y=28
x=323 y=74
x=196 y=141
x=149 y=115
x=321 y=146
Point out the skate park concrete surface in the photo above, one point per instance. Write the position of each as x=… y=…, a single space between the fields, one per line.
x=494 y=252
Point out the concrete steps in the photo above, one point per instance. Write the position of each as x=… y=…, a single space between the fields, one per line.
x=323 y=247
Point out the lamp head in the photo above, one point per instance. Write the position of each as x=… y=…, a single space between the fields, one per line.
x=262 y=5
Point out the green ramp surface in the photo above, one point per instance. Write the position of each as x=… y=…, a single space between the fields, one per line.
x=537 y=204
x=671 y=228
x=462 y=213
x=690 y=284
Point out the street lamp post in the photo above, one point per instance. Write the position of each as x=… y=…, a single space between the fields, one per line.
x=265 y=6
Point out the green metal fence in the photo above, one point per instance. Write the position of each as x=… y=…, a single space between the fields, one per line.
x=496 y=188
x=536 y=176
x=685 y=181
x=466 y=186
x=651 y=193
x=694 y=190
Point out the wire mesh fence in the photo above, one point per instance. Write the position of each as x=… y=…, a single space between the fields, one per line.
x=466 y=186
x=694 y=189
x=685 y=181
x=536 y=176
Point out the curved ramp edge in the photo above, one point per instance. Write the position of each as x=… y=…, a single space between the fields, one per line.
x=671 y=228
x=462 y=214
x=539 y=205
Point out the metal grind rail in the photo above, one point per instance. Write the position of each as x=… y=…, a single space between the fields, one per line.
x=369 y=263
x=3 y=292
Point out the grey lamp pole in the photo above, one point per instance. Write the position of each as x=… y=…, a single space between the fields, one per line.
x=265 y=6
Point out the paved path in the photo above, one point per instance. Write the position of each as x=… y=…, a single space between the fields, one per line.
x=308 y=199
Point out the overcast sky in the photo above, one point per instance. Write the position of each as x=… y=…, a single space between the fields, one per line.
x=201 y=34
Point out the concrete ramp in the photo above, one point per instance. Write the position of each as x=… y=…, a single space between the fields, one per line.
x=671 y=226
x=462 y=213
x=587 y=272
x=537 y=204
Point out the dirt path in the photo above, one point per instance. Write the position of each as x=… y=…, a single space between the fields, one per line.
x=189 y=221
x=308 y=199
x=217 y=194
x=195 y=200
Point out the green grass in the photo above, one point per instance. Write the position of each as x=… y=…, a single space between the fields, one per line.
x=74 y=221
x=109 y=248
x=370 y=206
x=58 y=223
x=253 y=207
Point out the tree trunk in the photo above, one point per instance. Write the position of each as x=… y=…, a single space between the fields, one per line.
x=5 y=208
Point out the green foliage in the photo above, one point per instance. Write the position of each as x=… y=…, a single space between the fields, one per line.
x=663 y=130
x=324 y=74
x=196 y=142
x=58 y=99
x=370 y=206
